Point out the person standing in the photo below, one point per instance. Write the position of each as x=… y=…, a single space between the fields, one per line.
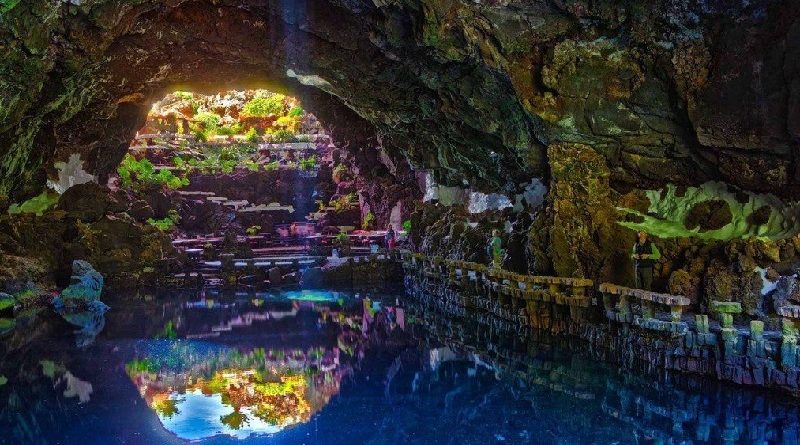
x=391 y=238
x=495 y=249
x=644 y=254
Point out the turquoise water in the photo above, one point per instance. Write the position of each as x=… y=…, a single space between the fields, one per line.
x=331 y=368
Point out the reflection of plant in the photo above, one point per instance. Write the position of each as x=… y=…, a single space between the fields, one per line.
x=234 y=420
x=166 y=407
x=169 y=331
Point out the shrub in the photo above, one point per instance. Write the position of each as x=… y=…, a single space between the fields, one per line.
x=346 y=202
x=140 y=174
x=250 y=165
x=230 y=130
x=407 y=226
x=369 y=219
x=184 y=95
x=201 y=135
x=308 y=163
x=340 y=173
x=168 y=223
x=252 y=136
x=264 y=106
x=208 y=120
x=164 y=225
x=296 y=112
x=36 y=205
x=272 y=166
x=282 y=136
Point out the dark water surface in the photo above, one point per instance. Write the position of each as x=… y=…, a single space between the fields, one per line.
x=332 y=368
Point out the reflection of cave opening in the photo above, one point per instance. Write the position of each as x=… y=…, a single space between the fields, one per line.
x=250 y=173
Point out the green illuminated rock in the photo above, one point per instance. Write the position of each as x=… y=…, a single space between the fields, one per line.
x=672 y=207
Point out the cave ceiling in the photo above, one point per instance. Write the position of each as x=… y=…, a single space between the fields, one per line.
x=667 y=91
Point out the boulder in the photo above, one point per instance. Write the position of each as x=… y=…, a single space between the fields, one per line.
x=141 y=211
x=89 y=202
x=86 y=284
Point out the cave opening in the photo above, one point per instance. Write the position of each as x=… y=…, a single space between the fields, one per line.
x=248 y=176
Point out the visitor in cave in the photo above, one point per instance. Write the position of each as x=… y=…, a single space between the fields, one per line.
x=495 y=249
x=391 y=238
x=644 y=254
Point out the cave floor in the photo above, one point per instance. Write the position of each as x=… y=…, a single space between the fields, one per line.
x=343 y=368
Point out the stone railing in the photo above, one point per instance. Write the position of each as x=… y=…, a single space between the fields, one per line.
x=619 y=305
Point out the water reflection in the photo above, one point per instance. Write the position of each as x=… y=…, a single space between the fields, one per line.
x=200 y=394
x=276 y=369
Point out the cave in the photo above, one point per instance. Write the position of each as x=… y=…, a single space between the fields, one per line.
x=384 y=221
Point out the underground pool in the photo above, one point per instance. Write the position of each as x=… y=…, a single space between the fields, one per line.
x=349 y=368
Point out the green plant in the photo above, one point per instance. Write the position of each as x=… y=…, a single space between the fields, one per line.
x=407 y=226
x=201 y=135
x=252 y=136
x=139 y=174
x=166 y=224
x=208 y=120
x=184 y=95
x=272 y=166
x=230 y=130
x=342 y=239
x=340 y=173
x=346 y=202
x=251 y=165
x=309 y=163
x=264 y=106
x=296 y=112
x=36 y=205
x=369 y=219
x=7 y=5
x=253 y=230
x=169 y=332
x=282 y=136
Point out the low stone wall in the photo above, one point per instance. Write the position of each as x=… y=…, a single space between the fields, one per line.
x=375 y=270
x=635 y=328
